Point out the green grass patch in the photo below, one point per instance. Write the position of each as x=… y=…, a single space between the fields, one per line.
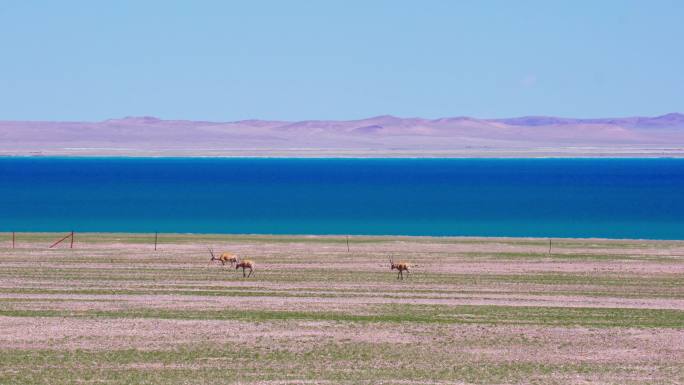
x=465 y=314
x=338 y=363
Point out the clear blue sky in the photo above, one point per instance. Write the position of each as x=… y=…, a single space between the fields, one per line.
x=229 y=60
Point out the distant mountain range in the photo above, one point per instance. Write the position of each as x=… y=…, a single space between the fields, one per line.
x=380 y=135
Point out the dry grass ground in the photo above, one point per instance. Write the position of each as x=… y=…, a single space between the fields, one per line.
x=482 y=311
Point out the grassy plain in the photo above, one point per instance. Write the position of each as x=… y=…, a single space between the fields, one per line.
x=474 y=311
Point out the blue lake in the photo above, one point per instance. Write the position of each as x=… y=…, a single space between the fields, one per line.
x=614 y=198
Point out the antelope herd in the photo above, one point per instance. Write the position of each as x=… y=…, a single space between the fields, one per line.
x=247 y=264
x=234 y=260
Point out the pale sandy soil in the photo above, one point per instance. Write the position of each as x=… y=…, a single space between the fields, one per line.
x=526 y=343
x=525 y=152
x=348 y=304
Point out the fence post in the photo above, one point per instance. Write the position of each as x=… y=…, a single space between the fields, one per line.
x=70 y=235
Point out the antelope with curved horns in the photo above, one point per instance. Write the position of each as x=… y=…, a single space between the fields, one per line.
x=246 y=264
x=400 y=266
x=224 y=257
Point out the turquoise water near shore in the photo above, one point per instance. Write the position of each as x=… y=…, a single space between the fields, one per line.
x=612 y=198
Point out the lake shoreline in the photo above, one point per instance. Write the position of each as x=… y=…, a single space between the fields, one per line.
x=527 y=153
x=334 y=238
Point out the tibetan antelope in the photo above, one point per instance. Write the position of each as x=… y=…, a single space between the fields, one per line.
x=224 y=257
x=246 y=264
x=401 y=267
